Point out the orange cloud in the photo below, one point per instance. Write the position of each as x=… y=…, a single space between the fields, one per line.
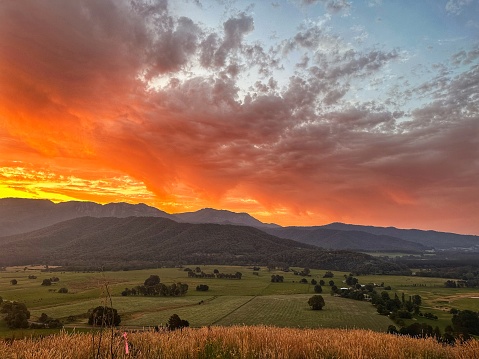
x=80 y=110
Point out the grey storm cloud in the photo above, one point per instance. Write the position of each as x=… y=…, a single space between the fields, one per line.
x=302 y=138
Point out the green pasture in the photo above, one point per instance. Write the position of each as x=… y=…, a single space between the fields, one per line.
x=253 y=300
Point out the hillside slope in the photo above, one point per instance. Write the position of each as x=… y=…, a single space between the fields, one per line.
x=347 y=240
x=150 y=241
x=19 y=215
x=438 y=240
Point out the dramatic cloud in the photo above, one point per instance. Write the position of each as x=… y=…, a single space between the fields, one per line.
x=137 y=101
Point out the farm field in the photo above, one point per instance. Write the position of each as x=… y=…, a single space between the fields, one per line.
x=253 y=300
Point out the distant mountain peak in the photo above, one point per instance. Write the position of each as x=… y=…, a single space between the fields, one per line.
x=222 y=216
x=20 y=215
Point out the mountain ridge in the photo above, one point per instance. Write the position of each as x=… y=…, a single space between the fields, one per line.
x=154 y=241
x=348 y=240
x=19 y=215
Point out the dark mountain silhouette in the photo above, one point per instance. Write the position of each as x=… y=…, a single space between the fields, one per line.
x=348 y=240
x=210 y=215
x=149 y=241
x=438 y=240
x=18 y=215
x=25 y=215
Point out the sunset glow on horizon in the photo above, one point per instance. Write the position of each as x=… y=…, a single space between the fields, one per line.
x=298 y=112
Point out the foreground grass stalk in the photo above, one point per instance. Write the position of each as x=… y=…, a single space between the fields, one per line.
x=240 y=342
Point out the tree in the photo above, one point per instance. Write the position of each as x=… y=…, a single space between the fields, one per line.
x=318 y=289
x=328 y=274
x=17 y=314
x=316 y=302
x=392 y=329
x=416 y=299
x=466 y=322
x=351 y=281
x=47 y=282
x=314 y=281
x=276 y=278
x=175 y=322
x=49 y=322
x=152 y=280
x=202 y=288
x=104 y=316
x=14 y=282
x=63 y=290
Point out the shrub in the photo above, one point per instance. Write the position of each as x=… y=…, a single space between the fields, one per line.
x=17 y=314
x=63 y=290
x=175 y=322
x=202 y=288
x=104 y=316
x=316 y=302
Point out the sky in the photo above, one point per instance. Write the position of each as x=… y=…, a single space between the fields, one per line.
x=298 y=112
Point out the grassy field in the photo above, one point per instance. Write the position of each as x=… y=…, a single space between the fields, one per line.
x=253 y=300
x=241 y=342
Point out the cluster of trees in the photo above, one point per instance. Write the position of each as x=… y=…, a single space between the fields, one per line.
x=153 y=287
x=103 y=316
x=357 y=292
x=328 y=274
x=394 y=307
x=16 y=314
x=467 y=283
x=423 y=330
x=46 y=322
x=306 y=272
x=215 y=274
x=175 y=322
x=276 y=278
x=465 y=323
x=428 y=315
x=49 y=281
x=202 y=288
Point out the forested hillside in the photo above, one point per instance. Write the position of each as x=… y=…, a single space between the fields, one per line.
x=149 y=241
x=348 y=240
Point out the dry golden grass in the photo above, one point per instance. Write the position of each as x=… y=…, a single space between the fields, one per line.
x=237 y=342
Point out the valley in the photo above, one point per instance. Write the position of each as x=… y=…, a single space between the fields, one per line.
x=252 y=300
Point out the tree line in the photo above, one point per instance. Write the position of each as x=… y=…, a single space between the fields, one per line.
x=153 y=287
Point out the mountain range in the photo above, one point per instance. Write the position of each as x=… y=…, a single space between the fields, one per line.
x=21 y=216
x=140 y=242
